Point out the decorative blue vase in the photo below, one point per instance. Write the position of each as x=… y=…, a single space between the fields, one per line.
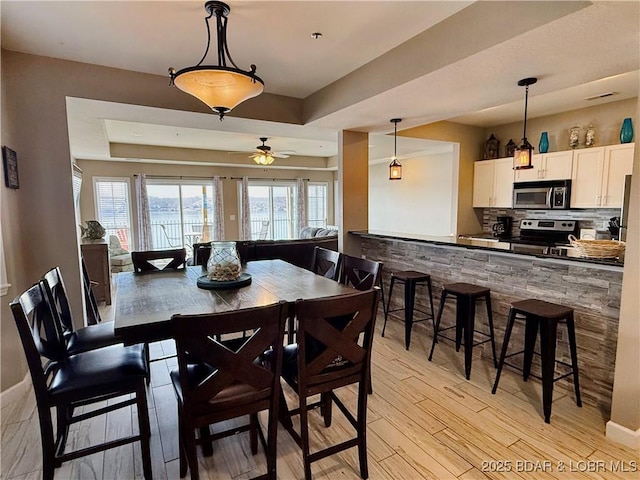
x=626 y=132
x=543 y=146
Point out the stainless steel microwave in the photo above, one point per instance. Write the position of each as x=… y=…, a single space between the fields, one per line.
x=545 y=195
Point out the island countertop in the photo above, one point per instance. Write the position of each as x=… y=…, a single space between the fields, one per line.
x=493 y=244
x=591 y=287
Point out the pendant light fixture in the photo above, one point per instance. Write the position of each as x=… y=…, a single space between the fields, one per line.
x=221 y=87
x=395 y=169
x=522 y=154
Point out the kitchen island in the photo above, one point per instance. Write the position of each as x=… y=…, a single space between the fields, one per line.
x=591 y=287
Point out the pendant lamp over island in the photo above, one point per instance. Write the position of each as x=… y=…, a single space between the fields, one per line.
x=221 y=87
x=522 y=154
x=395 y=168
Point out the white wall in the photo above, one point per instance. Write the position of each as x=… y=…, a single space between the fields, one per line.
x=423 y=202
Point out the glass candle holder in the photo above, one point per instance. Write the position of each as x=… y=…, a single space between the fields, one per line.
x=590 y=136
x=574 y=136
x=224 y=262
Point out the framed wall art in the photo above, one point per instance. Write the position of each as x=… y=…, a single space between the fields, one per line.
x=10 y=162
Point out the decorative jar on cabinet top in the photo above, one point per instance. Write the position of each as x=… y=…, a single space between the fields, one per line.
x=626 y=132
x=574 y=136
x=224 y=262
x=543 y=146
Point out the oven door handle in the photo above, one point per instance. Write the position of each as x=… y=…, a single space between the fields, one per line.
x=549 y=197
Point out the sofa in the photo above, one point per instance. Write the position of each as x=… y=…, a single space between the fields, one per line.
x=297 y=251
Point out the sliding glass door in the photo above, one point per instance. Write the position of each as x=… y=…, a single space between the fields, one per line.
x=272 y=211
x=181 y=213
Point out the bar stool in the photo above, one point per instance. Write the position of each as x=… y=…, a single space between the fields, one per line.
x=466 y=295
x=411 y=280
x=545 y=316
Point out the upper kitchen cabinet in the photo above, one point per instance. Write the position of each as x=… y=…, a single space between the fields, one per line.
x=598 y=176
x=493 y=183
x=547 y=166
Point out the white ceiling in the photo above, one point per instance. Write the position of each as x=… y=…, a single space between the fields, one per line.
x=595 y=49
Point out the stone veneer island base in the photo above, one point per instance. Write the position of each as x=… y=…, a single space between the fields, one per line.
x=592 y=290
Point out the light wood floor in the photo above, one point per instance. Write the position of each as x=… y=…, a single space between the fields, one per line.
x=424 y=421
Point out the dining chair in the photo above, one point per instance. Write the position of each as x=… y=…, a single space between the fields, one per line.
x=362 y=274
x=90 y=303
x=228 y=381
x=326 y=262
x=75 y=340
x=152 y=260
x=67 y=382
x=334 y=336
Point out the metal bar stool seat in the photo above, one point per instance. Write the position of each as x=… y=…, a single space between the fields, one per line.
x=544 y=316
x=411 y=280
x=466 y=295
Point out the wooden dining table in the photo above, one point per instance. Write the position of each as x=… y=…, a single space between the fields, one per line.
x=145 y=302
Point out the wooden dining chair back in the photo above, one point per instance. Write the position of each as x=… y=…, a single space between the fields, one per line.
x=158 y=260
x=360 y=273
x=91 y=305
x=219 y=380
x=66 y=382
x=75 y=340
x=335 y=336
x=326 y=262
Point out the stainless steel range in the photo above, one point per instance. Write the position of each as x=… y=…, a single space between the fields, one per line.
x=544 y=236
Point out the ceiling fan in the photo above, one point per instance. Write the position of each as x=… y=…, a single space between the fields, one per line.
x=264 y=156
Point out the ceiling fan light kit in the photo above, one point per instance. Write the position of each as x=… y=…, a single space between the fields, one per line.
x=221 y=87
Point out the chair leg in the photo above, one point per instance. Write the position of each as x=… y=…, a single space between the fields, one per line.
x=548 y=333
x=63 y=417
x=181 y=446
x=48 y=443
x=362 y=433
x=574 y=357
x=386 y=310
x=443 y=298
x=468 y=327
x=253 y=432
x=530 y=334
x=147 y=358
x=409 y=300
x=490 y=320
x=433 y=316
x=325 y=399
x=304 y=437
x=190 y=449
x=145 y=429
x=505 y=345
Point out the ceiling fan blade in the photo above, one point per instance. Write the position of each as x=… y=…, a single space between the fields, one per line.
x=279 y=155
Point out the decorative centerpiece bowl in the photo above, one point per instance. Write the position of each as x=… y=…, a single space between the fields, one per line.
x=223 y=268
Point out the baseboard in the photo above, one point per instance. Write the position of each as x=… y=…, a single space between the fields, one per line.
x=623 y=435
x=15 y=392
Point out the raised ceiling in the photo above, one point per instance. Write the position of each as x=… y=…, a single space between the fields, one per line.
x=423 y=61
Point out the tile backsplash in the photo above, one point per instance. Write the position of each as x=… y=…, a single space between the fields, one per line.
x=587 y=218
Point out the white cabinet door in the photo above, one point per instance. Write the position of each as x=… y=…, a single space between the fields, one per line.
x=618 y=162
x=586 y=185
x=483 y=183
x=530 y=174
x=557 y=165
x=503 y=174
